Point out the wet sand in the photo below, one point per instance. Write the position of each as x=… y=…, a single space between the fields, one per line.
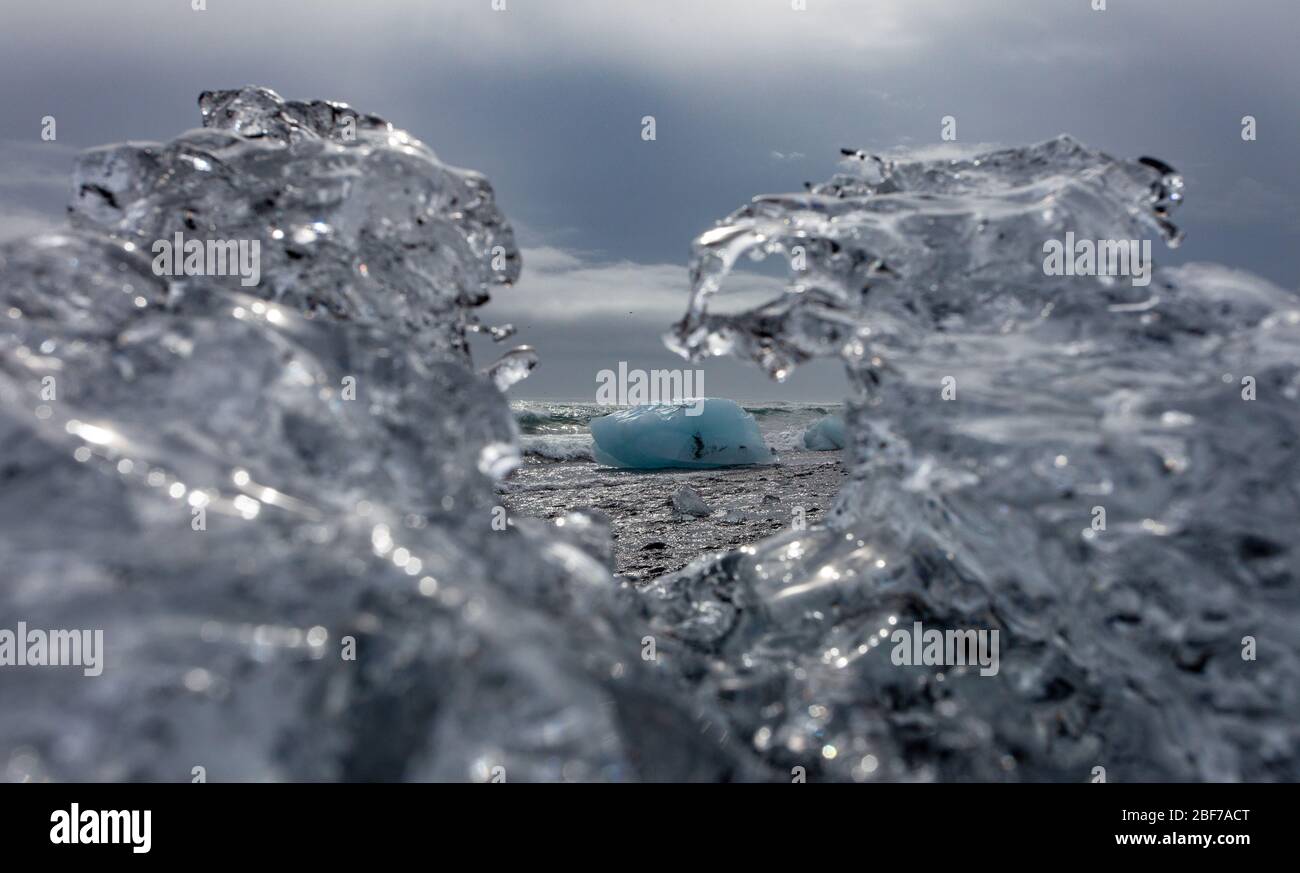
x=650 y=537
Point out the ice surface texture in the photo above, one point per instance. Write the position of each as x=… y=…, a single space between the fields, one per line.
x=372 y=518
x=687 y=501
x=1121 y=647
x=659 y=436
x=826 y=435
x=327 y=518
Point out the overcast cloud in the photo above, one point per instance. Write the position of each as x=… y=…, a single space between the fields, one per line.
x=749 y=96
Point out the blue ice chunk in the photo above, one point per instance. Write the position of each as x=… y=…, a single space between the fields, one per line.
x=825 y=435
x=657 y=436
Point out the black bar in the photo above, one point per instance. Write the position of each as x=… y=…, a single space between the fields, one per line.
x=328 y=822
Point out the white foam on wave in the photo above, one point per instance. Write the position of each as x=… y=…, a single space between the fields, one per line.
x=557 y=447
x=785 y=440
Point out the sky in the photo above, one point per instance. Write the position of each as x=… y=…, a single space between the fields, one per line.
x=547 y=97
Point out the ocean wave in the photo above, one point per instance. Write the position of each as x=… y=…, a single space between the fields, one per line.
x=558 y=447
x=785 y=440
x=559 y=417
x=536 y=417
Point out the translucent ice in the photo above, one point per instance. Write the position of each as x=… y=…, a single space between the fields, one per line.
x=825 y=435
x=656 y=436
x=1103 y=473
x=277 y=502
x=687 y=501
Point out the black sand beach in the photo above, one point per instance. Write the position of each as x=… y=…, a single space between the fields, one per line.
x=650 y=536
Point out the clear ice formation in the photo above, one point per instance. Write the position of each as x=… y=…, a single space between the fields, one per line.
x=825 y=435
x=702 y=434
x=687 y=501
x=328 y=427
x=1100 y=488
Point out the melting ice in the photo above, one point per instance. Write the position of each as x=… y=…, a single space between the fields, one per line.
x=329 y=425
x=997 y=414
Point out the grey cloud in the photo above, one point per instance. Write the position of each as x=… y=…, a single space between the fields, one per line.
x=546 y=99
x=561 y=286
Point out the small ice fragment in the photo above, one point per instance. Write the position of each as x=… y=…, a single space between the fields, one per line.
x=825 y=435
x=688 y=501
x=512 y=367
x=735 y=516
